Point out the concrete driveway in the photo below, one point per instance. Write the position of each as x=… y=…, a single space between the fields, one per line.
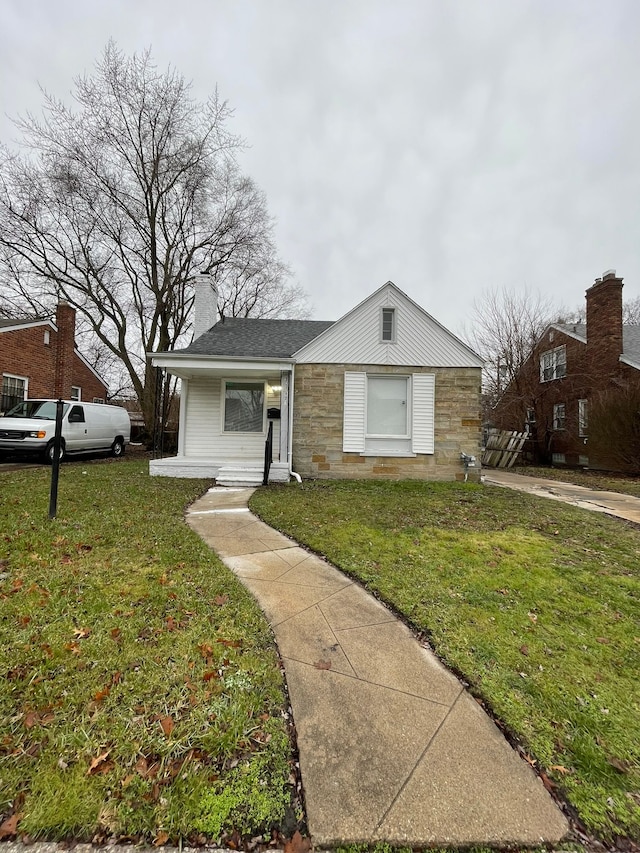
x=612 y=503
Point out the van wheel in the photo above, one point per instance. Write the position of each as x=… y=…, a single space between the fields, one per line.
x=48 y=454
x=117 y=448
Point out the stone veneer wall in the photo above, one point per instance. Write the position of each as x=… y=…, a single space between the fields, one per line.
x=317 y=426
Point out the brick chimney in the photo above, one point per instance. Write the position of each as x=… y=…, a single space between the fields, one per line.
x=65 y=344
x=604 y=324
x=205 y=304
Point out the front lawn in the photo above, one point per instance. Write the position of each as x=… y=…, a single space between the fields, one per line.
x=141 y=695
x=535 y=603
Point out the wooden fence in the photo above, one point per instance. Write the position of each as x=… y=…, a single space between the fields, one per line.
x=503 y=448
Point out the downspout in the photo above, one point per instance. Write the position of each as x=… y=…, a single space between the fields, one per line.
x=292 y=473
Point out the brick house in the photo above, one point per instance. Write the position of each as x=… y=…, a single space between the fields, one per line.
x=38 y=358
x=383 y=392
x=569 y=370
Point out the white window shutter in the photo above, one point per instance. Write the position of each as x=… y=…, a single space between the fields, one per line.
x=423 y=409
x=355 y=386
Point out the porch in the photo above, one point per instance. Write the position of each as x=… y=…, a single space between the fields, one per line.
x=225 y=473
x=228 y=411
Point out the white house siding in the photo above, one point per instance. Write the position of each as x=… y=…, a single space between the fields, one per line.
x=204 y=437
x=420 y=339
x=318 y=424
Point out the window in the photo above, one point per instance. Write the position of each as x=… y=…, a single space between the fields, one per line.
x=76 y=392
x=14 y=391
x=47 y=337
x=98 y=399
x=558 y=416
x=244 y=406
x=388 y=415
x=553 y=364
x=583 y=417
x=558 y=459
x=387 y=406
x=388 y=324
x=76 y=415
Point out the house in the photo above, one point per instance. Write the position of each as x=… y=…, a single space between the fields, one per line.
x=572 y=371
x=38 y=358
x=383 y=392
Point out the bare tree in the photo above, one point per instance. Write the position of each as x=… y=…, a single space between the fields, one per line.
x=115 y=205
x=631 y=312
x=506 y=326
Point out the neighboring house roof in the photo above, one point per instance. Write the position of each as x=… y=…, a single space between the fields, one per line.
x=10 y=324
x=247 y=337
x=630 y=338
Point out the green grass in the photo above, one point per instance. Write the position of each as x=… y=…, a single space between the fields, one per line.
x=607 y=482
x=141 y=694
x=535 y=603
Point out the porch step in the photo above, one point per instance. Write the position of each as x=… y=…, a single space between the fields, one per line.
x=237 y=475
x=247 y=476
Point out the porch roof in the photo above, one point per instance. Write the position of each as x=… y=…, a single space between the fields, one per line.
x=251 y=338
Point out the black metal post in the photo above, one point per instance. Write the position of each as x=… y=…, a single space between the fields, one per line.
x=55 y=462
x=268 y=453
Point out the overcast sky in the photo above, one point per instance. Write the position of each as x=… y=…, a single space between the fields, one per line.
x=448 y=145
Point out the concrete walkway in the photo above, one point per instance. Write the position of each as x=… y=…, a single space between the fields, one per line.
x=391 y=746
x=612 y=503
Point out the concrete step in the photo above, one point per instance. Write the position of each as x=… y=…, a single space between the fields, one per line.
x=237 y=475
x=248 y=476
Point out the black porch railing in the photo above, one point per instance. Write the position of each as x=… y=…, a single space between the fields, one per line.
x=268 y=454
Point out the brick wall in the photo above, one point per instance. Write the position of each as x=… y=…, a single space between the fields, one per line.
x=317 y=426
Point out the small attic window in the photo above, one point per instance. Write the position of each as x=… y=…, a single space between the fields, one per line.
x=388 y=324
x=47 y=337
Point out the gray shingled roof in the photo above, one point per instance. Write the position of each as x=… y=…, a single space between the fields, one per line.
x=630 y=337
x=20 y=321
x=256 y=338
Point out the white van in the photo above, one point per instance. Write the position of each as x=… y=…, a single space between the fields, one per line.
x=30 y=428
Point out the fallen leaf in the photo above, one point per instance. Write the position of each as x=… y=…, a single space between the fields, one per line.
x=524 y=650
x=604 y=640
x=620 y=766
x=160 y=839
x=9 y=827
x=85 y=548
x=100 y=695
x=97 y=764
x=205 y=650
x=233 y=644
x=322 y=664
x=210 y=674
x=220 y=600
x=82 y=633
x=31 y=719
x=74 y=648
x=115 y=633
x=548 y=784
x=167 y=725
x=533 y=618
x=24 y=620
x=559 y=769
x=297 y=844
